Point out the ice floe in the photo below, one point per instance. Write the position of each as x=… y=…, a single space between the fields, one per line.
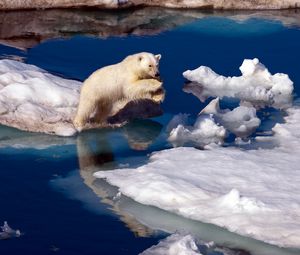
x=8 y=232
x=32 y=99
x=212 y=125
x=241 y=121
x=203 y=132
x=256 y=85
x=254 y=193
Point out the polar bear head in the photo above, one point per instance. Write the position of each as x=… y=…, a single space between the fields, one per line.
x=146 y=65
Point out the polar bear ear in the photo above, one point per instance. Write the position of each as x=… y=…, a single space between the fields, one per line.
x=157 y=57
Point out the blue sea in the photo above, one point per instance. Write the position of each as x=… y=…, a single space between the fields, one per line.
x=47 y=189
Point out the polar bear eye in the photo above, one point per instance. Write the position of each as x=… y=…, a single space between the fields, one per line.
x=150 y=65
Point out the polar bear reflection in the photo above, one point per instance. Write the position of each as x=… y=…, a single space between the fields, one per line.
x=95 y=153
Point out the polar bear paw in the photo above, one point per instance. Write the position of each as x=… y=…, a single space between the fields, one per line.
x=158 y=96
x=155 y=85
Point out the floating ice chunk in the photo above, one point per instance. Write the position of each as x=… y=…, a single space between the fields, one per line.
x=174 y=245
x=241 y=121
x=256 y=85
x=8 y=232
x=211 y=125
x=204 y=132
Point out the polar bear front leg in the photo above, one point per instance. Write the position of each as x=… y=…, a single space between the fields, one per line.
x=103 y=109
x=149 y=85
x=143 y=89
x=85 y=109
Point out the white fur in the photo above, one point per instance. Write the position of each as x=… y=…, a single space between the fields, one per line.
x=110 y=88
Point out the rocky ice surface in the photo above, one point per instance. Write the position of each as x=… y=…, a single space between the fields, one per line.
x=64 y=23
x=114 y=4
x=253 y=192
x=31 y=99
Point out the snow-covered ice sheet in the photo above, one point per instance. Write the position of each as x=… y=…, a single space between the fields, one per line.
x=255 y=192
x=32 y=99
x=256 y=85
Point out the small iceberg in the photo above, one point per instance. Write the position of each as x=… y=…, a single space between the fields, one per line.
x=8 y=232
x=212 y=125
x=205 y=131
x=256 y=85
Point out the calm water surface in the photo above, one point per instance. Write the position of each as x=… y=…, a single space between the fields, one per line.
x=47 y=189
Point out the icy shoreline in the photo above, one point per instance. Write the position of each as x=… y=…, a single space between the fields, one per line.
x=117 y=4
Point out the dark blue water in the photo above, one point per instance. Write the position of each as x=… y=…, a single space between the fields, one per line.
x=53 y=214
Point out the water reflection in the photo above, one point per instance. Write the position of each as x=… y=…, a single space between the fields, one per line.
x=95 y=153
x=14 y=138
x=145 y=220
x=139 y=134
x=26 y=29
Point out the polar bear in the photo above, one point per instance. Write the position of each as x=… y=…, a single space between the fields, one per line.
x=110 y=88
